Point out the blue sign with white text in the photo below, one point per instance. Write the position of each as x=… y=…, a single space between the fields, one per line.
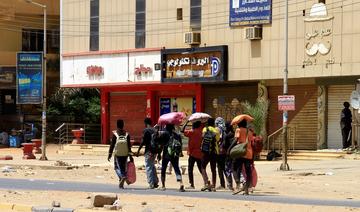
x=29 y=77
x=165 y=104
x=250 y=12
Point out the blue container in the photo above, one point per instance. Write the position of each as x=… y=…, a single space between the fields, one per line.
x=14 y=141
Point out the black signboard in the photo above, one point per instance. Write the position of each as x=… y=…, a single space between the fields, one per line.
x=203 y=64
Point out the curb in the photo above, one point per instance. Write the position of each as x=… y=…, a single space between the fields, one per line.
x=9 y=207
x=15 y=207
x=44 y=167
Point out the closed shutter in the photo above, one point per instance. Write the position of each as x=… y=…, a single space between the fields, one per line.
x=225 y=100
x=302 y=121
x=337 y=95
x=131 y=107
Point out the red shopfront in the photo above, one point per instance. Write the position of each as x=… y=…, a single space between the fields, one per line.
x=180 y=89
x=133 y=103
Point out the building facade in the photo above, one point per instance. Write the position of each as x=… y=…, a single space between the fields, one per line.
x=324 y=61
x=21 y=30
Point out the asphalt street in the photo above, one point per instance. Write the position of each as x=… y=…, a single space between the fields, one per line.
x=33 y=184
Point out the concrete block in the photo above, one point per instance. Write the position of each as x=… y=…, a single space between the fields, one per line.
x=99 y=200
x=50 y=209
x=41 y=209
x=63 y=210
x=22 y=208
x=6 y=157
x=112 y=207
x=6 y=206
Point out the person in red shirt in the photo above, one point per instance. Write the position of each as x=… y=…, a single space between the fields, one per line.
x=194 y=149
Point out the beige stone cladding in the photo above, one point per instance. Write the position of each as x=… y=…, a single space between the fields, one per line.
x=320 y=45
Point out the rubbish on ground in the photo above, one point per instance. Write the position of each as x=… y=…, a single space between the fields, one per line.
x=143 y=203
x=56 y=204
x=7 y=169
x=61 y=163
x=329 y=173
x=189 y=205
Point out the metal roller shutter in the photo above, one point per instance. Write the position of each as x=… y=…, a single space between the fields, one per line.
x=337 y=95
x=303 y=120
x=131 y=107
x=224 y=100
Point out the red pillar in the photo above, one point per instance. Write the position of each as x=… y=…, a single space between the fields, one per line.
x=199 y=98
x=105 y=124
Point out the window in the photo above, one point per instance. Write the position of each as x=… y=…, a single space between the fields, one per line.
x=32 y=40
x=195 y=15
x=322 y=1
x=179 y=14
x=94 y=25
x=140 y=24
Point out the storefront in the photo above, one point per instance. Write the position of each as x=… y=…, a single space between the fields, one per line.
x=302 y=123
x=135 y=85
x=225 y=100
x=131 y=88
x=134 y=103
x=8 y=111
x=337 y=95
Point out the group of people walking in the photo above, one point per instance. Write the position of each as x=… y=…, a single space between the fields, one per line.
x=209 y=143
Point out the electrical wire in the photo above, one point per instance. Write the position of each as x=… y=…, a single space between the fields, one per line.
x=67 y=33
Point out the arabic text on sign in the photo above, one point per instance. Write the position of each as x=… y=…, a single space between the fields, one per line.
x=95 y=70
x=142 y=69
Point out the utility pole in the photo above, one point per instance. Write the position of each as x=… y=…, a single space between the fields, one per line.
x=284 y=165
x=43 y=114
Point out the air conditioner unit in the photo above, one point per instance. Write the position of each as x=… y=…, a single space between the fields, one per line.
x=254 y=33
x=192 y=38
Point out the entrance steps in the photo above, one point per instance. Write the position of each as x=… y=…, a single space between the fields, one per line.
x=84 y=149
x=310 y=155
x=88 y=149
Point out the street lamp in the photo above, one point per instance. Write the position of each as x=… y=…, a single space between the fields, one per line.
x=43 y=135
x=284 y=165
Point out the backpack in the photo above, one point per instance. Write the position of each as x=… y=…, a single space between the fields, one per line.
x=121 y=146
x=174 y=148
x=208 y=142
x=155 y=145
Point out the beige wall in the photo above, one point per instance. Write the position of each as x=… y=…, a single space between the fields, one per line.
x=16 y=15
x=248 y=60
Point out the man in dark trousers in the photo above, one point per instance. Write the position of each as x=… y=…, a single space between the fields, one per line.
x=121 y=148
x=168 y=138
x=150 y=155
x=345 y=123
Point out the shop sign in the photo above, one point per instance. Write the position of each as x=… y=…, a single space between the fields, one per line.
x=29 y=77
x=177 y=104
x=142 y=69
x=250 y=12
x=286 y=102
x=7 y=77
x=95 y=70
x=195 y=64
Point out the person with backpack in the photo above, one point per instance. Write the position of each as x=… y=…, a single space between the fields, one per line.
x=171 y=151
x=221 y=157
x=242 y=135
x=121 y=148
x=210 y=150
x=194 y=149
x=149 y=140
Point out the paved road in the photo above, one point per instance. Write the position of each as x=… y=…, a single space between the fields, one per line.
x=31 y=184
